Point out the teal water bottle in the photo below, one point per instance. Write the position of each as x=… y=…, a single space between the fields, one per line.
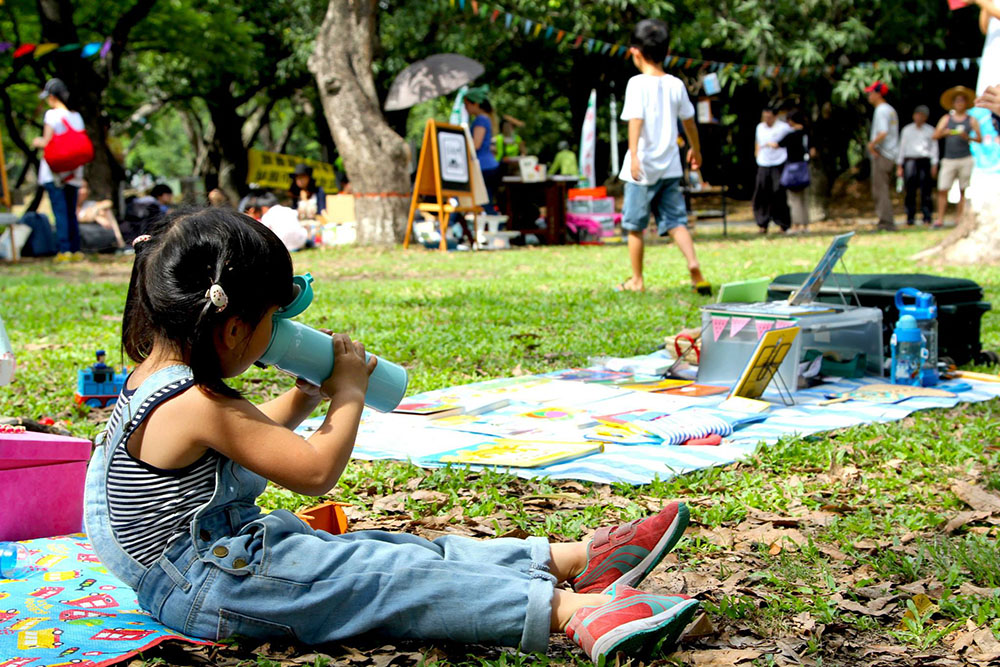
x=15 y=561
x=924 y=310
x=307 y=353
x=909 y=351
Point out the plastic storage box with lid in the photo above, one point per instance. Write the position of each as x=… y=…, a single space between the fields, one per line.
x=843 y=331
x=959 y=302
x=41 y=484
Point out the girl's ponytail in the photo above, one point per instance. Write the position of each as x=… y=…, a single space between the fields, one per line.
x=137 y=332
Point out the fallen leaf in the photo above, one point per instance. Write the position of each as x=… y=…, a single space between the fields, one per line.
x=428 y=496
x=963 y=518
x=976 y=497
x=720 y=657
x=394 y=502
x=969 y=589
x=878 y=607
x=700 y=627
x=925 y=606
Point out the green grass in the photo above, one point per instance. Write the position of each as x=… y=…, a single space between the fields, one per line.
x=459 y=318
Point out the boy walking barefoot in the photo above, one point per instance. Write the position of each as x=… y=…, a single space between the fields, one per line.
x=654 y=102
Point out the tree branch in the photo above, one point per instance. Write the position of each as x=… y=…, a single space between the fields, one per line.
x=119 y=34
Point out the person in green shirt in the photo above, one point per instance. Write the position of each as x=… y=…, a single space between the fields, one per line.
x=509 y=144
x=565 y=161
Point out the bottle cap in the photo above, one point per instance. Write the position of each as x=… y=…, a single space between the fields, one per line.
x=907 y=330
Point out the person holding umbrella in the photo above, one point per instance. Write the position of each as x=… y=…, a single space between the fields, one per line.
x=481 y=127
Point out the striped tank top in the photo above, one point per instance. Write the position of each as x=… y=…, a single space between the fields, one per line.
x=150 y=507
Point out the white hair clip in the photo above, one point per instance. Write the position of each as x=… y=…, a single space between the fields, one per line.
x=142 y=238
x=218 y=297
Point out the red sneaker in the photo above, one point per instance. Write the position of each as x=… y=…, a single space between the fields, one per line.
x=625 y=554
x=633 y=622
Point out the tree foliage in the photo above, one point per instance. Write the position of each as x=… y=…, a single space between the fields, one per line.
x=195 y=83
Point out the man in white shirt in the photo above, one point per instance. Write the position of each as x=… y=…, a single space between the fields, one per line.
x=884 y=150
x=770 y=202
x=652 y=171
x=917 y=164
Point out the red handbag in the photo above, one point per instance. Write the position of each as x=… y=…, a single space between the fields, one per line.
x=69 y=150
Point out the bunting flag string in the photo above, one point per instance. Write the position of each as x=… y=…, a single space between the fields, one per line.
x=38 y=51
x=549 y=33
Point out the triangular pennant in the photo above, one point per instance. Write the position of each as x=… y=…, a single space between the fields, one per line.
x=737 y=324
x=44 y=49
x=784 y=324
x=548 y=32
x=527 y=25
x=24 y=50
x=979 y=62
x=718 y=326
x=538 y=29
x=952 y=63
x=105 y=48
x=940 y=62
x=911 y=66
x=5 y=46
x=560 y=35
x=475 y=7
x=590 y=45
x=966 y=63
x=90 y=49
x=461 y=4
x=68 y=47
x=578 y=41
x=605 y=48
x=507 y=19
x=493 y=17
x=763 y=326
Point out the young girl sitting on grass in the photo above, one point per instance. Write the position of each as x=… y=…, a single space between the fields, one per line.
x=171 y=488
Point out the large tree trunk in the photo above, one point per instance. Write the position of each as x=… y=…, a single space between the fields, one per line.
x=376 y=159
x=976 y=240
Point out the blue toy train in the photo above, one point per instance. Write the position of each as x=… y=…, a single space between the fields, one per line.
x=99 y=385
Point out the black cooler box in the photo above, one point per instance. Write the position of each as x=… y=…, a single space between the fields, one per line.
x=959 y=301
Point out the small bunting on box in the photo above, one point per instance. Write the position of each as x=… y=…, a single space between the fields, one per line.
x=737 y=324
x=763 y=326
x=784 y=324
x=718 y=326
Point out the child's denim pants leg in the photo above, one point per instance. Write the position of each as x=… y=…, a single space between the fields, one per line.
x=318 y=588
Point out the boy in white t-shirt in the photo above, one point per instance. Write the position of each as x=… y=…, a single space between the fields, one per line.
x=654 y=102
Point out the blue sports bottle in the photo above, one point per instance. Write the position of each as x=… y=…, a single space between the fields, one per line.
x=307 y=353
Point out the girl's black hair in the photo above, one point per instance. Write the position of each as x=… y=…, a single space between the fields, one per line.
x=188 y=252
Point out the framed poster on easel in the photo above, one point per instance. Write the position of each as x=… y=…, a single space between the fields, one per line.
x=447 y=168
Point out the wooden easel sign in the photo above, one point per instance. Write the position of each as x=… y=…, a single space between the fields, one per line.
x=445 y=170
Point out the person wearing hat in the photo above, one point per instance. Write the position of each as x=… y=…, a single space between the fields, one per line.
x=305 y=191
x=917 y=164
x=61 y=188
x=959 y=130
x=481 y=127
x=883 y=147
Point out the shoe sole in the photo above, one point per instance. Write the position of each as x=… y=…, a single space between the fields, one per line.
x=640 y=638
x=666 y=543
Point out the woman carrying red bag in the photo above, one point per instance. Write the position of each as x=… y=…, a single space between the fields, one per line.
x=68 y=148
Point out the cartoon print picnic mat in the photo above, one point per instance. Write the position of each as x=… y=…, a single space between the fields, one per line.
x=72 y=611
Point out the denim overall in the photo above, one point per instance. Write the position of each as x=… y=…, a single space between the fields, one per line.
x=242 y=572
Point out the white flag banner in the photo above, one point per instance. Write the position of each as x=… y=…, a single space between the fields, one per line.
x=614 y=135
x=588 y=142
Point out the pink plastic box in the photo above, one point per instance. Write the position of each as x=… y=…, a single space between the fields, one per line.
x=41 y=484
